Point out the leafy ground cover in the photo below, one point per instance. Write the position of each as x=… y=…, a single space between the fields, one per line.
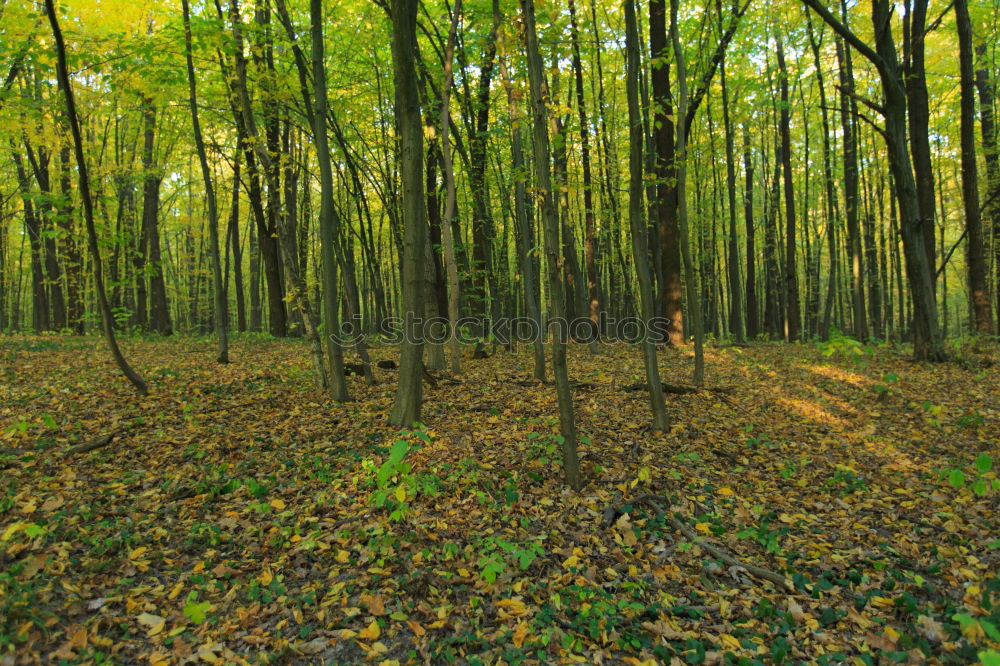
x=237 y=515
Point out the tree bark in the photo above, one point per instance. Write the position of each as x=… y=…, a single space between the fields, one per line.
x=640 y=249
x=983 y=316
x=406 y=406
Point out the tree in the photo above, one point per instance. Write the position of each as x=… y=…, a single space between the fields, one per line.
x=81 y=169
x=219 y=312
x=640 y=249
x=550 y=223
x=928 y=341
x=970 y=183
x=406 y=406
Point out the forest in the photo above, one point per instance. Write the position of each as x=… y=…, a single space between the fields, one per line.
x=496 y=332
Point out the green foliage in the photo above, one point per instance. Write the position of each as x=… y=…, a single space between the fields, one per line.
x=840 y=344
x=496 y=554
x=977 y=480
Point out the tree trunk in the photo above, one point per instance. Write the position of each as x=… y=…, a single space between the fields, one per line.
x=550 y=219
x=590 y=246
x=793 y=318
x=406 y=406
x=640 y=249
x=694 y=305
x=970 y=186
x=329 y=221
x=753 y=318
x=987 y=126
x=220 y=317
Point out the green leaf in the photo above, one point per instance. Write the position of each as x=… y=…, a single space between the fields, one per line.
x=989 y=658
x=51 y=423
x=990 y=630
x=956 y=479
x=197 y=612
x=983 y=463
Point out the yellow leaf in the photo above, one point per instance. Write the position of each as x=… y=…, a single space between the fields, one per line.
x=177 y=590
x=278 y=505
x=343 y=556
x=266 y=577
x=703 y=527
x=400 y=494
x=154 y=623
x=137 y=553
x=729 y=642
x=371 y=632
x=159 y=659
x=416 y=628
x=725 y=491
x=520 y=633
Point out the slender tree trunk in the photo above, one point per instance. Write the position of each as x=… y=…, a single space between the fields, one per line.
x=590 y=224
x=524 y=234
x=753 y=318
x=970 y=186
x=694 y=305
x=84 y=184
x=640 y=249
x=448 y=169
x=329 y=221
x=234 y=236
x=539 y=97
x=220 y=317
x=793 y=317
x=733 y=261
x=855 y=257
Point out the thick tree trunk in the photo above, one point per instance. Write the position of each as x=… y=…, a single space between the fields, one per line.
x=665 y=173
x=159 y=319
x=970 y=185
x=406 y=406
x=987 y=126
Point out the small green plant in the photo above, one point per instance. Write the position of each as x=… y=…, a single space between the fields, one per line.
x=971 y=419
x=888 y=387
x=976 y=480
x=847 y=480
x=841 y=345
x=396 y=486
x=496 y=553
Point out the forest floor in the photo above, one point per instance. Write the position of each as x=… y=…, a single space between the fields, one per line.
x=239 y=515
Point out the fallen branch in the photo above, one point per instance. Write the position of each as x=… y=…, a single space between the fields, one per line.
x=86 y=447
x=678 y=389
x=683 y=528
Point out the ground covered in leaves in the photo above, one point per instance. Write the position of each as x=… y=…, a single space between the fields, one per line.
x=238 y=515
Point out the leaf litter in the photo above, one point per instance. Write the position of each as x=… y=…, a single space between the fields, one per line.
x=236 y=515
